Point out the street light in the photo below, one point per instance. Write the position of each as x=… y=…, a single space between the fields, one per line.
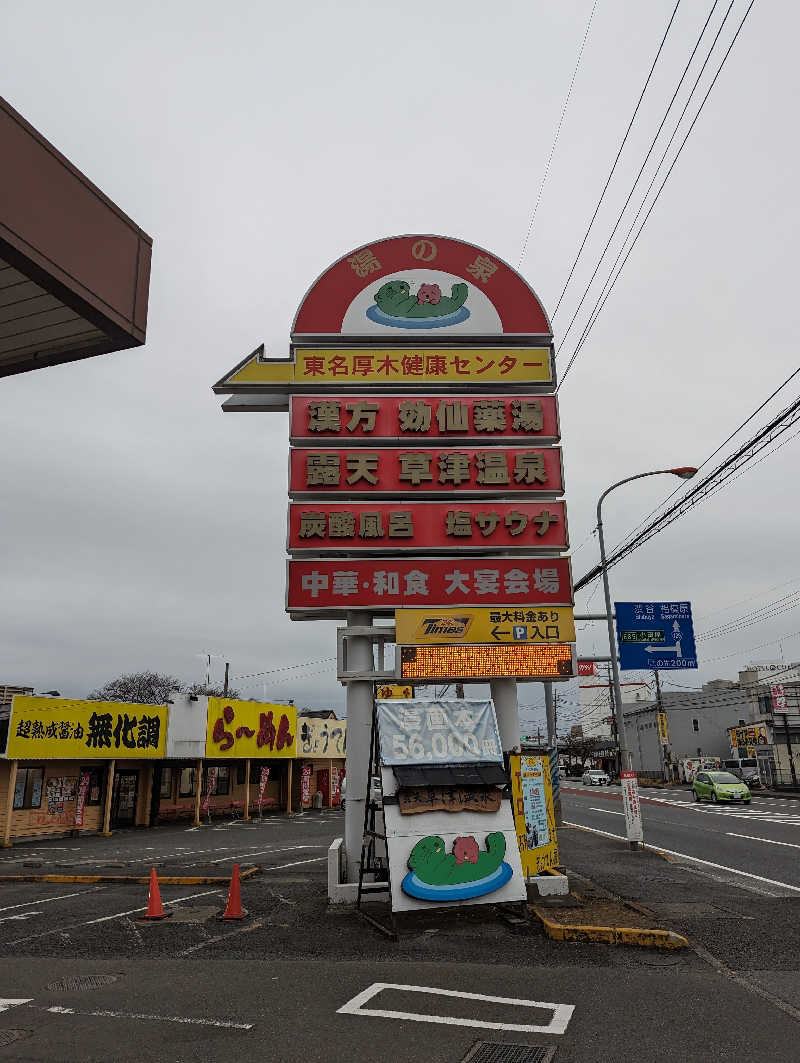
x=685 y=472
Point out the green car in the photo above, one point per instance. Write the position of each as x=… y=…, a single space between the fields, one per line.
x=719 y=786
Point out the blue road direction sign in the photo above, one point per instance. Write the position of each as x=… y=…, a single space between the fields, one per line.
x=655 y=635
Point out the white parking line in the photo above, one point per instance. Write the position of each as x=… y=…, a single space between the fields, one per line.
x=562 y=1013
x=49 y=900
x=694 y=859
x=313 y=860
x=769 y=841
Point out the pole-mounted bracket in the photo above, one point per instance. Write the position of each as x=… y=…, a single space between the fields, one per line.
x=379 y=636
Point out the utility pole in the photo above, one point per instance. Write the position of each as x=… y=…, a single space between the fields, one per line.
x=660 y=711
x=552 y=743
x=614 y=722
x=788 y=737
x=459 y=690
x=225 y=686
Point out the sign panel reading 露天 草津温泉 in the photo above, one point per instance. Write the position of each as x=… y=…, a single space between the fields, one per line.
x=420 y=382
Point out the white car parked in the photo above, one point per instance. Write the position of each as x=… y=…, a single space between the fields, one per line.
x=595 y=778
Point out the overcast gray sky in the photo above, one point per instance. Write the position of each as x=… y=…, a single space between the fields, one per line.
x=257 y=142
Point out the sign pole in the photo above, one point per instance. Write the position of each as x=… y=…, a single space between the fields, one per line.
x=552 y=742
x=359 y=731
x=504 y=696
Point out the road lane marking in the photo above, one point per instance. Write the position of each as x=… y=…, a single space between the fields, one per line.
x=296 y=863
x=769 y=841
x=695 y=859
x=48 y=900
x=12 y=1002
x=106 y=1014
x=607 y=811
x=266 y=852
x=562 y=1013
x=220 y=937
x=106 y=918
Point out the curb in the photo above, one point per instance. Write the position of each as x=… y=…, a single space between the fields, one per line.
x=164 y=880
x=611 y=935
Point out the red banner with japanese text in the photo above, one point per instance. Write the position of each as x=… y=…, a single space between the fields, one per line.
x=262 y=786
x=397 y=527
x=383 y=585
x=430 y=471
x=80 y=799
x=211 y=787
x=409 y=419
x=305 y=785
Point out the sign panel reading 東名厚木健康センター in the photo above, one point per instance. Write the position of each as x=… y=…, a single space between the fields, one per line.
x=655 y=635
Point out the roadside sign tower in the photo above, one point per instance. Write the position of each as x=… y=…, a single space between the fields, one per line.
x=425 y=476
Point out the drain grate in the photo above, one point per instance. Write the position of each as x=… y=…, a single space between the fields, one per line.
x=496 y=1052
x=10 y=1037
x=86 y=981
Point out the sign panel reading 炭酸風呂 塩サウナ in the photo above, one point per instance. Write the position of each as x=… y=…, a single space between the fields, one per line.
x=411 y=419
x=655 y=635
x=368 y=527
x=45 y=728
x=383 y=584
x=360 y=472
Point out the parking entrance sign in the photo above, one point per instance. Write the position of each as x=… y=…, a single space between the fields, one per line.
x=655 y=635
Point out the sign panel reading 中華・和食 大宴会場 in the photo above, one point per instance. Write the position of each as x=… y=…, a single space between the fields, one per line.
x=382 y=584
x=409 y=418
x=243 y=729
x=396 y=527
x=66 y=729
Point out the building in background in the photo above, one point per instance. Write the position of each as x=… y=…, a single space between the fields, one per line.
x=7 y=692
x=772 y=734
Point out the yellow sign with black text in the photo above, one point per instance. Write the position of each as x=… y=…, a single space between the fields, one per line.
x=69 y=729
x=534 y=813
x=251 y=729
x=387 y=691
x=431 y=627
x=422 y=366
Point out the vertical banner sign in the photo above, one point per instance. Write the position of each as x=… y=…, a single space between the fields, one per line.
x=305 y=786
x=778 y=697
x=663 y=729
x=336 y=786
x=633 y=810
x=262 y=786
x=534 y=814
x=80 y=804
x=212 y=787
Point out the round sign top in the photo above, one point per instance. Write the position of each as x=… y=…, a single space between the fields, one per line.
x=420 y=285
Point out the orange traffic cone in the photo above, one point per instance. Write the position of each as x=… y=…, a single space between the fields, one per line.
x=233 y=909
x=155 y=909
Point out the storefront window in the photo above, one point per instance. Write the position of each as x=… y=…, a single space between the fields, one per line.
x=186 y=787
x=28 y=788
x=166 y=783
x=95 y=791
x=223 y=786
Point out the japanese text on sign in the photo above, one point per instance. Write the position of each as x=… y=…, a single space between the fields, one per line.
x=453 y=732
x=428 y=626
x=427 y=526
x=321 y=738
x=435 y=471
x=631 y=806
x=428 y=581
x=412 y=365
x=534 y=814
x=398 y=417
x=552 y=660
x=62 y=728
x=250 y=729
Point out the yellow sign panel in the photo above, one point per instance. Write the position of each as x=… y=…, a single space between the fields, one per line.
x=534 y=814
x=663 y=729
x=67 y=729
x=321 y=738
x=531 y=625
x=251 y=729
x=388 y=691
x=429 y=663
x=424 y=366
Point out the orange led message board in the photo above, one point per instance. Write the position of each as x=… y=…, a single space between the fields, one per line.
x=554 y=661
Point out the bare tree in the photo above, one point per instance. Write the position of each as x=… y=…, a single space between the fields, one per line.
x=143 y=688
x=211 y=691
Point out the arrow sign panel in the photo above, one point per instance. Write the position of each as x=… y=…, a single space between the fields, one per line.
x=655 y=635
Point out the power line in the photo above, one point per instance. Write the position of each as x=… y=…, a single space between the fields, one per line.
x=555 y=138
x=285 y=668
x=617 y=157
x=621 y=214
x=604 y=298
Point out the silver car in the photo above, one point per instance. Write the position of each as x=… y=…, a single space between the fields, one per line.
x=595 y=778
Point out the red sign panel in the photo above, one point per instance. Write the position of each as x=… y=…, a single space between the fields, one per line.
x=586 y=668
x=369 y=527
x=383 y=585
x=401 y=471
x=409 y=419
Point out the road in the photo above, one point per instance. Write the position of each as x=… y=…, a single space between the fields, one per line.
x=83 y=979
x=761 y=839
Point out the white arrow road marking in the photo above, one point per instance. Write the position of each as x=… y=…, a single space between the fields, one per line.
x=10 y=1002
x=562 y=1013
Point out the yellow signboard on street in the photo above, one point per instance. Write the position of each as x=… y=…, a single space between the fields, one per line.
x=423 y=366
x=69 y=729
x=254 y=729
x=387 y=691
x=663 y=728
x=534 y=814
x=431 y=627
